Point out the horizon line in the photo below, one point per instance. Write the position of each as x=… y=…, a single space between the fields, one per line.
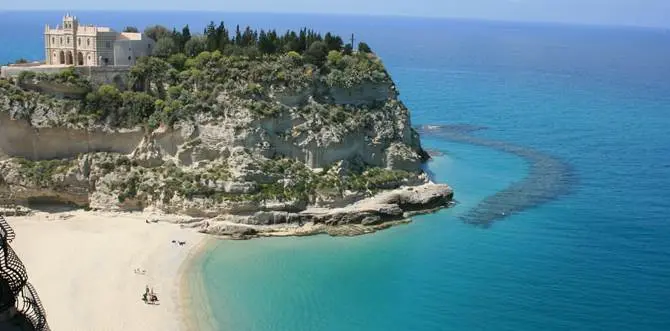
x=388 y=15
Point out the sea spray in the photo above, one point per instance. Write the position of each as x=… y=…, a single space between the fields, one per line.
x=548 y=178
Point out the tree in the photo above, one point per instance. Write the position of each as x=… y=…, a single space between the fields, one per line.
x=316 y=54
x=103 y=102
x=334 y=43
x=364 y=48
x=291 y=42
x=238 y=36
x=136 y=108
x=266 y=44
x=165 y=47
x=150 y=70
x=130 y=29
x=156 y=32
x=212 y=40
x=334 y=58
x=177 y=37
x=348 y=49
x=249 y=37
x=195 y=46
x=185 y=35
x=177 y=61
x=222 y=37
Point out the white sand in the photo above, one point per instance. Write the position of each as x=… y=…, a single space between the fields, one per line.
x=83 y=269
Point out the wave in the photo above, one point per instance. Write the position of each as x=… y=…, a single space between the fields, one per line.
x=548 y=178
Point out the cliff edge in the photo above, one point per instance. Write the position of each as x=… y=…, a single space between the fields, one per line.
x=244 y=145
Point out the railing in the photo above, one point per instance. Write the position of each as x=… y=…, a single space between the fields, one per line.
x=30 y=306
x=15 y=291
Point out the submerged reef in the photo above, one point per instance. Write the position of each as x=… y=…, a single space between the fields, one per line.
x=548 y=177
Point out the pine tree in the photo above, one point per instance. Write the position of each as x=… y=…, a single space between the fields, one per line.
x=185 y=36
x=210 y=35
x=238 y=36
x=222 y=37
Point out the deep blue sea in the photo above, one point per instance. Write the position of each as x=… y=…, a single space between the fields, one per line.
x=598 y=258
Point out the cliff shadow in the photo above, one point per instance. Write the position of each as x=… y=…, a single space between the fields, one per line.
x=548 y=177
x=51 y=205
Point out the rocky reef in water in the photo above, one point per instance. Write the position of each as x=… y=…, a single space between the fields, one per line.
x=549 y=177
x=244 y=146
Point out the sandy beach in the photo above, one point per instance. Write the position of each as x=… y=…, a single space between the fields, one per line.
x=83 y=267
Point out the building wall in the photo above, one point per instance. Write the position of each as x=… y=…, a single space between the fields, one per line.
x=105 y=47
x=86 y=45
x=60 y=43
x=126 y=52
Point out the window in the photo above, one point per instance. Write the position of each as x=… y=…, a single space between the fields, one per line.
x=68 y=40
x=129 y=58
x=108 y=44
x=79 y=41
x=53 y=40
x=61 y=40
x=88 y=42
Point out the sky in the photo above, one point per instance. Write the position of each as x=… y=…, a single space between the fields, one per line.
x=654 y=13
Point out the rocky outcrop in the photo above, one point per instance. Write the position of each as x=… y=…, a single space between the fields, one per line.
x=365 y=216
x=378 y=136
x=317 y=158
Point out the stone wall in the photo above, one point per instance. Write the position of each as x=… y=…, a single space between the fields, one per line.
x=117 y=75
x=14 y=71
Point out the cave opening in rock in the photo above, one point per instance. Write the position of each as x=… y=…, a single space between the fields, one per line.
x=51 y=204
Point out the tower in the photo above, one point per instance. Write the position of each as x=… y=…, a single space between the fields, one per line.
x=70 y=23
x=70 y=26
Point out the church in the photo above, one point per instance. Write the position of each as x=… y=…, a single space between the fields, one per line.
x=72 y=44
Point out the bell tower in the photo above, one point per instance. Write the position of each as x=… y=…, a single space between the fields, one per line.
x=70 y=26
x=70 y=23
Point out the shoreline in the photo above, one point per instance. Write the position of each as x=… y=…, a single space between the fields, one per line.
x=89 y=259
x=83 y=263
x=194 y=309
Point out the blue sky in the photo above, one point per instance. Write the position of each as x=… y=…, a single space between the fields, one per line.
x=609 y=12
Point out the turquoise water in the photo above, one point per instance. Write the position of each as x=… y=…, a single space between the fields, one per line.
x=598 y=258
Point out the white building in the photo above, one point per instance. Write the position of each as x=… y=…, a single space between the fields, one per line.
x=88 y=45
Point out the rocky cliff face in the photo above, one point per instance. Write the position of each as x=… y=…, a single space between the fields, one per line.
x=320 y=146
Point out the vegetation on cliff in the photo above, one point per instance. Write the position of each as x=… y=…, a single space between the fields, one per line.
x=239 y=81
x=176 y=90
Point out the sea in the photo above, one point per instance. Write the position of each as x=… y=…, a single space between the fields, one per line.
x=592 y=254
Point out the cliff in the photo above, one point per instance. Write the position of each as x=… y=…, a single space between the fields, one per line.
x=250 y=141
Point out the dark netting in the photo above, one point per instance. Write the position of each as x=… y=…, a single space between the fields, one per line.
x=29 y=304
x=15 y=291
